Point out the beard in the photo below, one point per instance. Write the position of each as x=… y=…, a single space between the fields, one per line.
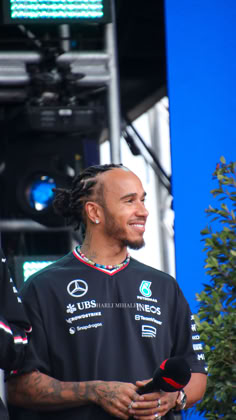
x=114 y=230
x=133 y=244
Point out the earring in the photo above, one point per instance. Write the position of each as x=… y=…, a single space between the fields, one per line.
x=97 y=221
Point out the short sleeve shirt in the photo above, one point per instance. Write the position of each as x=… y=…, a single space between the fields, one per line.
x=98 y=324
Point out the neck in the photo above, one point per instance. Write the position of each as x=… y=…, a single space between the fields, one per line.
x=102 y=251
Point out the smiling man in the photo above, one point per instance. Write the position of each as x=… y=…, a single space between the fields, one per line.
x=101 y=320
x=119 y=211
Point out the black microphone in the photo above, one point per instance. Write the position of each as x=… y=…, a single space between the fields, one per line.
x=172 y=375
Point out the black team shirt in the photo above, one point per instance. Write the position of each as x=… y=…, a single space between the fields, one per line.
x=96 y=324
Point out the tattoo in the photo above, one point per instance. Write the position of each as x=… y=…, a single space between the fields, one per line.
x=39 y=391
x=87 y=241
x=85 y=248
x=107 y=391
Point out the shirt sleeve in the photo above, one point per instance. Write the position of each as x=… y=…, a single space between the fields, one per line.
x=37 y=354
x=14 y=324
x=13 y=343
x=187 y=339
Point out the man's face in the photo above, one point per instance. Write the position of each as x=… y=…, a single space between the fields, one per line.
x=125 y=214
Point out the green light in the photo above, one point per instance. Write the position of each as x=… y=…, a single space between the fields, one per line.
x=56 y=9
x=31 y=267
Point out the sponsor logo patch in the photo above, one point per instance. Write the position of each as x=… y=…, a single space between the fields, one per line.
x=72 y=330
x=145 y=288
x=148 y=331
x=70 y=309
x=147 y=318
x=196 y=337
x=77 y=288
x=143 y=307
x=83 y=316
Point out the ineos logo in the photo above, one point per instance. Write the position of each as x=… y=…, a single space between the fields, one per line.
x=77 y=288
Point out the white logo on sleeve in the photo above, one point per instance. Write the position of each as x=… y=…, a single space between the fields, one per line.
x=77 y=288
x=149 y=331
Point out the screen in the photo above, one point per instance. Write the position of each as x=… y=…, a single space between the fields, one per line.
x=57 y=11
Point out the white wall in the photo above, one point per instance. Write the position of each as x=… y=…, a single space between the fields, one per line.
x=160 y=218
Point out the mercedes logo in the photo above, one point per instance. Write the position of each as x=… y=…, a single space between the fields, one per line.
x=77 y=288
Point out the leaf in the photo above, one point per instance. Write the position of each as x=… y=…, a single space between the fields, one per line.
x=216 y=192
x=224 y=207
x=222 y=159
x=205 y=231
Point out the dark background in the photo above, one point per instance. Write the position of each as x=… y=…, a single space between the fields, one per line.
x=140 y=32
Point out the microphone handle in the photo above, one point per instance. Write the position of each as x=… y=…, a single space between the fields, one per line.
x=146 y=389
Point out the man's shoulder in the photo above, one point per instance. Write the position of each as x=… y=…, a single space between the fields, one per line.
x=54 y=270
x=151 y=271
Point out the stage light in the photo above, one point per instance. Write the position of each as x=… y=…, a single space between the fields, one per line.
x=35 y=195
x=24 y=266
x=55 y=11
x=31 y=267
x=39 y=194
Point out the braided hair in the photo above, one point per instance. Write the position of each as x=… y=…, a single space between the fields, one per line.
x=69 y=203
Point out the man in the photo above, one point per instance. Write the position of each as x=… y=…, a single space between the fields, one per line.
x=102 y=320
x=14 y=326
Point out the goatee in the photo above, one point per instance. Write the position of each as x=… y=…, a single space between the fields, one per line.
x=133 y=244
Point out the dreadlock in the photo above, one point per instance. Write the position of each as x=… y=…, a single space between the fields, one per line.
x=69 y=203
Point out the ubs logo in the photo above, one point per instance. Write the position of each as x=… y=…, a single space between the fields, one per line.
x=77 y=288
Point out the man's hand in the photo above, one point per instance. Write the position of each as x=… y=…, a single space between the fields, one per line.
x=115 y=397
x=38 y=391
x=153 y=405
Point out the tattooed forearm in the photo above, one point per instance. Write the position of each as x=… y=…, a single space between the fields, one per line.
x=39 y=391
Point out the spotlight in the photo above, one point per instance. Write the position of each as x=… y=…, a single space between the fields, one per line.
x=39 y=194
x=35 y=195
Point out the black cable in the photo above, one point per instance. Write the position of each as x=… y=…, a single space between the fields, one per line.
x=161 y=171
x=136 y=152
x=150 y=151
x=131 y=143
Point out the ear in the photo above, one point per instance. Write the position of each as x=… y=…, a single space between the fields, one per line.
x=93 y=212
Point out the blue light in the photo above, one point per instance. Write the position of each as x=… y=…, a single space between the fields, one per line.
x=40 y=192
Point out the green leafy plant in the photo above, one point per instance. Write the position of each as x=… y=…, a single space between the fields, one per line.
x=216 y=317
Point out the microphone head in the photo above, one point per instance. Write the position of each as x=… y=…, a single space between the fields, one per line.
x=172 y=375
